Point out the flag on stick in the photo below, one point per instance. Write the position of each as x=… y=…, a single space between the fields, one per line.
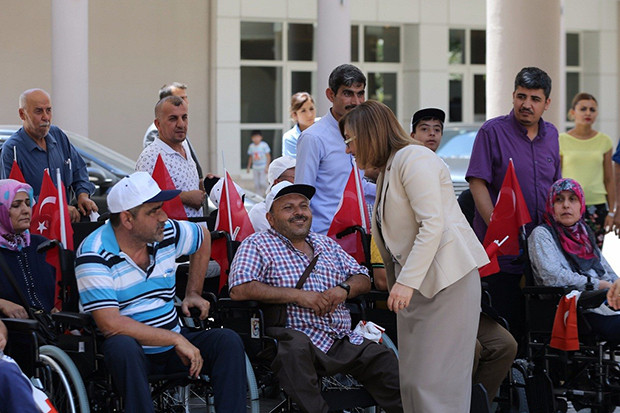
x=50 y=218
x=233 y=219
x=510 y=214
x=16 y=173
x=352 y=211
x=174 y=207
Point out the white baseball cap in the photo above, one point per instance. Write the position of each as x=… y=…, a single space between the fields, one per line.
x=136 y=189
x=277 y=168
x=284 y=188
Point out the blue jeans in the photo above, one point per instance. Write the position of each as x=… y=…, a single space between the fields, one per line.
x=224 y=362
x=15 y=391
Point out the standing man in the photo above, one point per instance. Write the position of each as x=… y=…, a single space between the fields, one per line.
x=40 y=145
x=321 y=157
x=532 y=144
x=172 y=89
x=126 y=276
x=171 y=121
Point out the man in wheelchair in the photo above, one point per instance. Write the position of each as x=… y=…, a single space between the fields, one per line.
x=126 y=278
x=315 y=337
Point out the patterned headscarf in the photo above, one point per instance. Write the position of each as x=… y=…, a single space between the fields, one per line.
x=8 y=238
x=575 y=241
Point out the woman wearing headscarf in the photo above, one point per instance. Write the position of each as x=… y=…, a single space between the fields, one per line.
x=431 y=258
x=563 y=252
x=35 y=277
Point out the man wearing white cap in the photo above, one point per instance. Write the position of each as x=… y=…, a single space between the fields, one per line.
x=317 y=339
x=126 y=276
x=281 y=169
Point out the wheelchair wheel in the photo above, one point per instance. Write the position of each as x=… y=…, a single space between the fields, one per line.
x=62 y=382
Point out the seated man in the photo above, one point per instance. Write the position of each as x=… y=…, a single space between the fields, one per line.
x=317 y=339
x=126 y=277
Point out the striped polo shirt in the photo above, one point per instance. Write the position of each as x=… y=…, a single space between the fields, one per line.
x=108 y=278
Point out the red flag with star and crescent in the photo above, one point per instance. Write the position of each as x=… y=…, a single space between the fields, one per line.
x=46 y=221
x=510 y=214
x=16 y=173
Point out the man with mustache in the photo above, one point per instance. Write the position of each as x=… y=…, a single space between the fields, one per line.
x=532 y=144
x=39 y=145
x=317 y=338
x=125 y=272
x=171 y=120
x=321 y=158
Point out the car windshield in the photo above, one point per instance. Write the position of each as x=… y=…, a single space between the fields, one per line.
x=103 y=154
x=459 y=146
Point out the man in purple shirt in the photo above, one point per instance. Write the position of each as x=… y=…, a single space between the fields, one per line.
x=532 y=144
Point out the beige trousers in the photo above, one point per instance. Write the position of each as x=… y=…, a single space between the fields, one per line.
x=436 y=341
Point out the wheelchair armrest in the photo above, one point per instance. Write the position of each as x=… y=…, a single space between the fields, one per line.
x=592 y=299
x=229 y=303
x=543 y=289
x=76 y=320
x=20 y=324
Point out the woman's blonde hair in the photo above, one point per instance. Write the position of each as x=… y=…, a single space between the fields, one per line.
x=377 y=133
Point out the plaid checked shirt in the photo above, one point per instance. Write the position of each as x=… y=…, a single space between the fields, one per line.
x=270 y=258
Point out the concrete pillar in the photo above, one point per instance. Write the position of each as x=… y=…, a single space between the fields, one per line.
x=70 y=65
x=333 y=44
x=519 y=34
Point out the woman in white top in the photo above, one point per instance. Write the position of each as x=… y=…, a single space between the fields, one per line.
x=303 y=112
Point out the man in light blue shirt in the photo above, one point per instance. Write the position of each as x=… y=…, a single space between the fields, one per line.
x=321 y=158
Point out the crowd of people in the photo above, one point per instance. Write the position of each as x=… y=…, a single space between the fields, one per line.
x=424 y=251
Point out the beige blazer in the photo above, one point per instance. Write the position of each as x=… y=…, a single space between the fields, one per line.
x=424 y=239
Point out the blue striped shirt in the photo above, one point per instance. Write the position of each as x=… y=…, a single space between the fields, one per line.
x=108 y=278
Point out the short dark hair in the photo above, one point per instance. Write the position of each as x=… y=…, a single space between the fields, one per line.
x=534 y=78
x=345 y=75
x=426 y=119
x=166 y=90
x=256 y=132
x=175 y=100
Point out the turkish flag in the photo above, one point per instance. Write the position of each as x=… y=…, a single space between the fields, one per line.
x=492 y=267
x=233 y=219
x=565 y=335
x=174 y=207
x=510 y=214
x=16 y=173
x=46 y=221
x=352 y=211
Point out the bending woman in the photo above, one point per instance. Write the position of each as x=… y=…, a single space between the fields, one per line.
x=431 y=257
x=19 y=249
x=563 y=251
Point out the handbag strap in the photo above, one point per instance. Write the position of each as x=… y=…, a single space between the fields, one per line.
x=307 y=272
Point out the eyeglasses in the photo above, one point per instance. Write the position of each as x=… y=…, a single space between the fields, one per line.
x=349 y=140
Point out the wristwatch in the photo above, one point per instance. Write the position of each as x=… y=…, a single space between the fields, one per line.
x=346 y=287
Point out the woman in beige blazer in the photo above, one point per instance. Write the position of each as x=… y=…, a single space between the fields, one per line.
x=431 y=256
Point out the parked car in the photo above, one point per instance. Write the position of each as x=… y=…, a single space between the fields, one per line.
x=105 y=166
x=455 y=149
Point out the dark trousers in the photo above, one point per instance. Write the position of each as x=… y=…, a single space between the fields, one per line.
x=15 y=391
x=508 y=300
x=224 y=362
x=299 y=363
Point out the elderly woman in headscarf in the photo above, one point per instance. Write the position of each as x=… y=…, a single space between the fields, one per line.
x=563 y=252
x=35 y=277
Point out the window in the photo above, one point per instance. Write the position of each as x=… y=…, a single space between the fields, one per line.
x=573 y=70
x=261 y=41
x=467 y=80
x=380 y=49
x=277 y=60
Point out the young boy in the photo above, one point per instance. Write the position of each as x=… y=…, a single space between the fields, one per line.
x=427 y=127
x=259 y=159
